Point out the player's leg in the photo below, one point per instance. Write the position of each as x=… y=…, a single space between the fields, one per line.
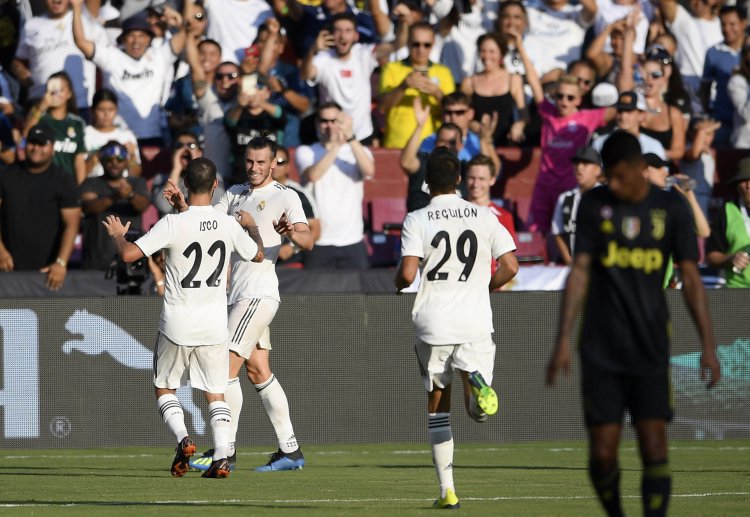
x=475 y=361
x=651 y=409
x=289 y=455
x=437 y=371
x=209 y=369
x=170 y=361
x=604 y=404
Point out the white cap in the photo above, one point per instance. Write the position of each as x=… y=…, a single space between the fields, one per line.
x=604 y=95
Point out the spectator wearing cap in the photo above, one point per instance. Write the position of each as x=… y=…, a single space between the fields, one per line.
x=631 y=111
x=39 y=211
x=721 y=61
x=415 y=76
x=46 y=46
x=695 y=32
x=675 y=94
x=588 y=170
x=341 y=67
x=110 y=194
x=136 y=73
x=728 y=248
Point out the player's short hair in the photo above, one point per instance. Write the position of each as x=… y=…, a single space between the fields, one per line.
x=450 y=126
x=346 y=15
x=443 y=171
x=200 y=176
x=482 y=160
x=620 y=146
x=262 y=142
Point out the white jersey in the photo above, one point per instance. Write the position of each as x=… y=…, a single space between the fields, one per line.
x=138 y=83
x=48 y=47
x=457 y=241
x=555 y=36
x=266 y=204
x=197 y=244
x=95 y=139
x=234 y=24
x=694 y=37
x=348 y=83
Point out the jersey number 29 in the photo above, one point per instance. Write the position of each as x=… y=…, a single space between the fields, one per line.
x=466 y=257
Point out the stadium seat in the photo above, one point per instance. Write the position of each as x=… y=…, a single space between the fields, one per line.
x=531 y=247
x=387 y=214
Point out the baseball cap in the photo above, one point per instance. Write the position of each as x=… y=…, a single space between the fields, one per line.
x=113 y=149
x=587 y=154
x=654 y=160
x=658 y=53
x=604 y=95
x=137 y=22
x=743 y=171
x=40 y=134
x=631 y=101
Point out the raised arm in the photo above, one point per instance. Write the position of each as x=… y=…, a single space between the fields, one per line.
x=595 y=53
x=287 y=9
x=128 y=251
x=85 y=45
x=668 y=9
x=322 y=42
x=175 y=19
x=408 y=160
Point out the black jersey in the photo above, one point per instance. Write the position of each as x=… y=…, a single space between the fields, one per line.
x=625 y=321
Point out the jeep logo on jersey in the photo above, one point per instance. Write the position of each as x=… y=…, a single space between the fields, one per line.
x=646 y=259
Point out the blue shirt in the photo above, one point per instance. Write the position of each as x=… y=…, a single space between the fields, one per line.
x=720 y=61
x=470 y=149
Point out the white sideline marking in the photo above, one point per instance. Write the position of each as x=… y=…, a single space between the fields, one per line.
x=367 y=500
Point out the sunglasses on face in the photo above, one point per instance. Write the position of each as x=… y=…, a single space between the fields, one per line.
x=561 y=96
x=186 y=145
x=281 y=161
x=656 y=75
x=457 y=113
x=199 y=16
x=118 y=159
x=229 y=75
x=327 y=120
x=113 y=153
x=424 y=44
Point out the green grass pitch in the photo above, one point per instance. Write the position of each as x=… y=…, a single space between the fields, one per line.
x=711 y=478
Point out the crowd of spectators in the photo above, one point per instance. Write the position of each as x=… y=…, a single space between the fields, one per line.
x=106 y=83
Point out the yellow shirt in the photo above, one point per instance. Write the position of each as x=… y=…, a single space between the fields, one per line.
x=399 y=121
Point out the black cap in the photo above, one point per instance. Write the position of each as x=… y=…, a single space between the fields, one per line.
x=137 y=22
x=659 y=54
x=587 y=154
x=630 y=101
x=743 y=171
x=41 y=134
x=654 y=160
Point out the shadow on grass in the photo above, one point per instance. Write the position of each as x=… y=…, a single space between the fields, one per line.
x=210 y=506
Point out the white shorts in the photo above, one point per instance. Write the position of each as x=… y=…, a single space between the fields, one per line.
x=248 y=325
x=437 y=362
x=207 y=366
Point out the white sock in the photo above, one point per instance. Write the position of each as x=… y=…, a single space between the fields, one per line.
x=277 y=409
x=221 y=419
x=233 y=397
x=441 y=439
x=172 y=414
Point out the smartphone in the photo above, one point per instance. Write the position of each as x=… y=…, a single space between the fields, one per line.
x=250 y=84
x=424 y=70
x=54 y=85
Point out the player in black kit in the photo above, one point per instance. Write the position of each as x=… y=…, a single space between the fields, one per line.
x=625 y=235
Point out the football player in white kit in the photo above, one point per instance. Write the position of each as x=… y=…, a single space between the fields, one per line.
x=193 y=332
x=254 y=298
x=455 y=241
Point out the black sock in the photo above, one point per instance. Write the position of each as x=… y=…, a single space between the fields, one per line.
x=656 y=487
x=607 y=486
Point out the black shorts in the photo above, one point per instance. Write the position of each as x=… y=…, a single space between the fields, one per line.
x=606 y=395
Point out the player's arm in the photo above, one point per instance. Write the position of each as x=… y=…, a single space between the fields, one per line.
x=695 y=296
x=407 y=272
x=576 y=287
x=298 y=233
x=251 y=227
x=507 y=269
x=128 y=251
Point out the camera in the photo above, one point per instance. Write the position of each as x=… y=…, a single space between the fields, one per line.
x=130 y=276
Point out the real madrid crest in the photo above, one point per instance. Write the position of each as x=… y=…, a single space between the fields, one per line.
x=631 y=227
x=261 y=206
x=658 y=223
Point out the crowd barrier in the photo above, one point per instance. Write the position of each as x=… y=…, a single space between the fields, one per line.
x=76 y=372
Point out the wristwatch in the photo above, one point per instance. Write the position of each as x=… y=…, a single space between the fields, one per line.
x=61 y=262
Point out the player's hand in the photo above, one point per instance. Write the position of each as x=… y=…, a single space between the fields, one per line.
x=55 y=276
x=6 y=261
x=283 y=226
x=114 y=226
x=710 y=368
x=560 y=360
x=174 y=195
x=245 y=219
